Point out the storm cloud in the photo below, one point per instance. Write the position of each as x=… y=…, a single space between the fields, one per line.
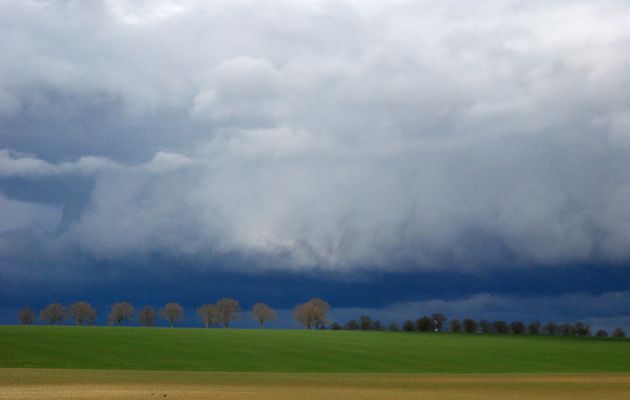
x=302 y=135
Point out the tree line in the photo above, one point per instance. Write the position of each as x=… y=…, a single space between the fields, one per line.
x=310 y=315
x=437 y=323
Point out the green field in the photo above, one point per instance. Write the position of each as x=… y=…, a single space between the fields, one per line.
x=303 y=351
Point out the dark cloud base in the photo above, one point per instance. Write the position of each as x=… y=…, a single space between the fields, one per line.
x=157 y=281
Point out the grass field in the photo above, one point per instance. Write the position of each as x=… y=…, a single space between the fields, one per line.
x=235 y=350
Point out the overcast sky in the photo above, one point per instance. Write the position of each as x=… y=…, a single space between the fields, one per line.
x=395 y=156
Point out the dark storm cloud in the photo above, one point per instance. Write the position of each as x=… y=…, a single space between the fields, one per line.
x=318 y=135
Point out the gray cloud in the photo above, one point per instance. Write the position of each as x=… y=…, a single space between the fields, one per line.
x=324 y=134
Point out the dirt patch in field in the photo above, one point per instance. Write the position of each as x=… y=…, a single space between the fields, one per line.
x=94 y=384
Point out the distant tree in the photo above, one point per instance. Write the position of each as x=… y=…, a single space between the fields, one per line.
x=485 y=326
x=393 y=327
x=53 y=313
x=470 y=325
x=551 y=328
x=533 y=328
x=351 y=325
x=500 y=327
x=228 y=309
x=208 y=314
x=26 y=316
x=365 y=323
x=335 y=326
x=438 y=321
x=408 y=326
x=424 y=324
x=312 y=314
x=517 y=327
x=82 y=313
x=120 y=312
x=601 y=333
x=567 y=329
x=172 y=312
x=147 y=316
x=619 y=333
x=262 y=313
x=455 y=325
x=582 y=329
x=377 y=326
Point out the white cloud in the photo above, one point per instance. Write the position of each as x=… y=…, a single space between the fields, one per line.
x=318 y=134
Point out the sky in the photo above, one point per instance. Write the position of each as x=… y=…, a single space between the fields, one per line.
x=396 y=158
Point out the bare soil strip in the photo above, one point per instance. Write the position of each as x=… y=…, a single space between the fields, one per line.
x=106 y=384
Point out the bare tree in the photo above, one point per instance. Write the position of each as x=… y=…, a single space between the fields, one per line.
x=619 y=333
x=517 y=327
x=26 y=316
x=172 y=312
x=262 y=313
x=551 y=328
x=335 y=326
x=500 y=327
x=209 y=314
x=351 y=325
x=146 y=317
x=82 y=313
x=312 y=314
x=119 y=313
x=533 y=328
x=601 y=333
x=485 y=326
x=408 y=326
x=438 y=320
x=365 y=323
x=53 y=313
x=455 y=325
x=582 y=329
x=567 y=329
x=470 y=325
x=424 y=324
x=228 y=310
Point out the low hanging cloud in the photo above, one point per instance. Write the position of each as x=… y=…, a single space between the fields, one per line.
x=332 y=135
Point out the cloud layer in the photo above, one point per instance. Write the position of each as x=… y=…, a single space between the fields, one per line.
x=326 y=135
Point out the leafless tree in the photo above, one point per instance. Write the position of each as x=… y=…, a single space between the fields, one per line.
x=517 y=327
x=601 y=333
x=262 y=313
x=408 y=326
x=228 y=310
x=120 y=312
x=146 y=317
x=393 y=327
x=485 y=326
x=172 y=312
x=26 y=316
x=533 y=328
x=351 y=325
x=365 y=323
x=438 y=320
x=424 y=324
x=455 y=325
x=82 y=313
x=551 y=328
x=209 y=314
x=619 y=333
x=312 y=314
x=470 y=325
x=53 y=313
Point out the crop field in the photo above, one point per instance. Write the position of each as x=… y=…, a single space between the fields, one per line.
x=235 y=350
x=61 y=362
